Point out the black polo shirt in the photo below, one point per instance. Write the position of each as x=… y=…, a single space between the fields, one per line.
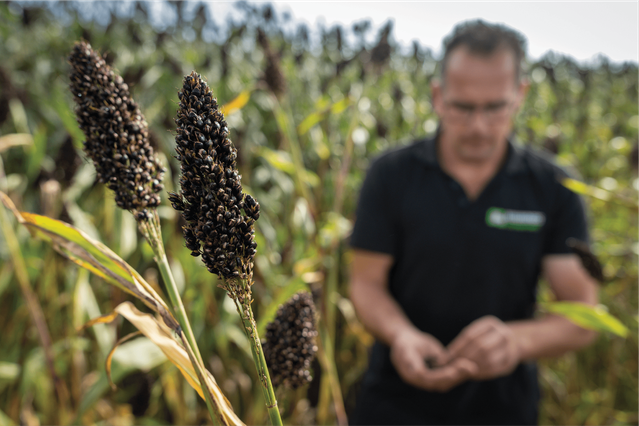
x=456 y=261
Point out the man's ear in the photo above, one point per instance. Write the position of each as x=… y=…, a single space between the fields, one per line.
x=436 y=88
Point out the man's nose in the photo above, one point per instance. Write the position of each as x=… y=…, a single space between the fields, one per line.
x=478 y=122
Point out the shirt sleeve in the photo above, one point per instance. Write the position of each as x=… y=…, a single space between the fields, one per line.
x=568 y=221
x=375 y=228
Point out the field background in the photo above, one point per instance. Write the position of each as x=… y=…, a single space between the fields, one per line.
x=311 y=119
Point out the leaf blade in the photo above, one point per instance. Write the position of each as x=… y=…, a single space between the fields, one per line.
x=590 y=317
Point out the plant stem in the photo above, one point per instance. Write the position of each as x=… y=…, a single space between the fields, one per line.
x=262 y=371
x=176 y=302
x=214 y=412
x=152 y=232
x=250 y=329
x=327 y=361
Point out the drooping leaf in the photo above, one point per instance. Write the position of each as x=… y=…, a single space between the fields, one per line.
x=92 y=255
x=110 y=356
x=165 y=339
x=586 y=316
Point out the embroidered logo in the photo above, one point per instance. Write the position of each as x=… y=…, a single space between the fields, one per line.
x=517 y=220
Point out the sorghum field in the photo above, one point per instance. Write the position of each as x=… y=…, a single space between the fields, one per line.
x=305 y=119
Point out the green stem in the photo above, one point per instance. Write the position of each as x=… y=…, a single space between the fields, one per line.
x=262 y=369
x=327 y=361
x=151 y=231
x=176 y=302
x=214 y=411
x=250 y=329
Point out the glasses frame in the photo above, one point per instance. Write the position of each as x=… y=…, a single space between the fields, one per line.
x=491 y=112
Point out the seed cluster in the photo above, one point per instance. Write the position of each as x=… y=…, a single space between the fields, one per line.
x=116 y=133
x=211 y=198
x=290 y=346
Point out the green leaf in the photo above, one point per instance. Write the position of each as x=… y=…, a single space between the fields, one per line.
x=586 y=316
x=92 y=255
x=58 y=101
x=38 y=151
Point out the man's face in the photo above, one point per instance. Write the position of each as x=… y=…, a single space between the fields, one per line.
x=477 y=102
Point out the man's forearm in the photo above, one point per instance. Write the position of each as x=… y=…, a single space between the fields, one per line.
x=549 y=336
x=379 y=312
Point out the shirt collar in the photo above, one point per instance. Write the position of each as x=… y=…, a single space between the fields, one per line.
x=515 y=162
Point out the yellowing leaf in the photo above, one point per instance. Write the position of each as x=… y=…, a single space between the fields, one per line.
x=236 y=104
x=165 y=339
x=599 y=193
x=586 y=316
x=315 y=117
x=585 y=189
x=281 y=160
x=311 y=120
x=92 y=255
x=15 y=139
x=341 y=106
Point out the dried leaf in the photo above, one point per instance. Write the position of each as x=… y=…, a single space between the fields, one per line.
x=15 y=139
x=165 y=339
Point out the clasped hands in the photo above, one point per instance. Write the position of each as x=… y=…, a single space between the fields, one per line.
x=485 y=349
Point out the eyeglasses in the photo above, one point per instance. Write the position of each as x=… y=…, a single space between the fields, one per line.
x=492 y=112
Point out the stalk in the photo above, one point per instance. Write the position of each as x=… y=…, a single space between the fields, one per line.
x=250 y=329
x=199 y=370
x=219 y=216
x=327 y=360
x=152 y=232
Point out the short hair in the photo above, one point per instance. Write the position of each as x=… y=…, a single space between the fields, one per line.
x=484 y=39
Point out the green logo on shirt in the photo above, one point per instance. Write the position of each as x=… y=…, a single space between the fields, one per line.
x=517 y=220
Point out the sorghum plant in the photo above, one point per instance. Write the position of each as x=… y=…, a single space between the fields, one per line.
x=290 y=346
x=219 y=216
x=117 y=143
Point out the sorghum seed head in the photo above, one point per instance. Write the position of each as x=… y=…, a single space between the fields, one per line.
x=289 y=346
x=117 y=139
x=211 y=187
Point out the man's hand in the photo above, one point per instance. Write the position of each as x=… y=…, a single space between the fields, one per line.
x=409 y=352
x=490 y=344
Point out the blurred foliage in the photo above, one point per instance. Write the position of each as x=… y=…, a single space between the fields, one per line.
x=311 y=116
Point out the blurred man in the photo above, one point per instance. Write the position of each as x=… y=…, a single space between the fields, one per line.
x=452 y=234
